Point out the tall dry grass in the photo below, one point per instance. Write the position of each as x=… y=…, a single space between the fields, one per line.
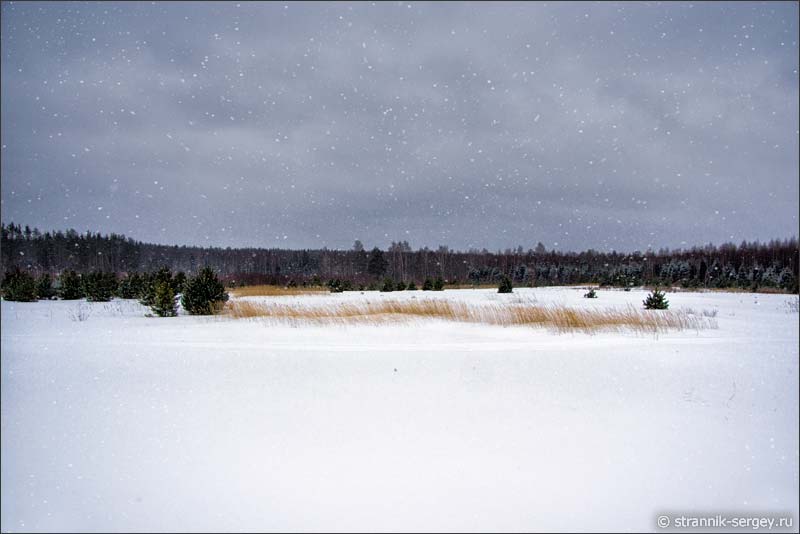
x=557 y=318
x=275 y=291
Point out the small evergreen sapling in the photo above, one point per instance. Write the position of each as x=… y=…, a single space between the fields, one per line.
x=388 y=285
x=99 y=286
x=412 y=286
x=335 y=285
x=656 y=301
x=44 y=287
x=71 y=286
x=438 y=284
x=131 y=287
x=427 y=285
x=164 y=300
x=505 y=285
x=204 y=294
x=151 y=282
x=19 y=286
x=400 y=286
x=179 y=281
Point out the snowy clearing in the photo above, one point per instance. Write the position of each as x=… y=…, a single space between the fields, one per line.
x=112 y=421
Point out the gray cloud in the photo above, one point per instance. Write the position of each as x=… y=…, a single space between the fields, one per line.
x=470 y=124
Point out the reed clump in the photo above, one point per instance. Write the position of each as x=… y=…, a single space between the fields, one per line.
x=275 y=291
x=553 y=317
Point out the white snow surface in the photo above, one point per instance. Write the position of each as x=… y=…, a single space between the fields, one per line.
x=112 y=421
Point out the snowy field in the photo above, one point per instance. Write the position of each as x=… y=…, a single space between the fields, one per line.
x=112 y=421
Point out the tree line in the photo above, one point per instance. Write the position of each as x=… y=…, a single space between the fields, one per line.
x=751 y=265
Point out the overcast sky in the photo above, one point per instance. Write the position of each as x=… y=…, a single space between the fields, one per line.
x=468 y=124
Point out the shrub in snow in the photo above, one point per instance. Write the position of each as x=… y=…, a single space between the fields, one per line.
x=412 y=286
x=44 y=287
x=164 y=301
x=400 y=286
x=179 y=281
x=656 y=301
x=505 y=285
x=80 y=314
x=99 y=286
x=71 y=286
x=19 y=286
x=438 y=284
x=131 y=287
x=204 y=294
x=388 y=285
x=592 y=294
x=339 y=286
x=151 y=281
x=427 y=285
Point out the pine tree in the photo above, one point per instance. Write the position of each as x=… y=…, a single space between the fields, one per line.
x=377 y=263
x=412 y=286
x=335 y=285
x=18 y=286
x=131 y=287
x=505 y=285
x=388 y=285
x=179 y=281
x=656 y=301
x=164 y=300
x=400 y=286
x=71 y=285
x=204 y=294
x=99 y=286
x=427 y=285
x=438 y=284
x=151 y=282
x=44 y=287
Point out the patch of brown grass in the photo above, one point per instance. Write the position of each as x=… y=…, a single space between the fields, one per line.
x=470 y=286
x=275 y=291
x=557 y=318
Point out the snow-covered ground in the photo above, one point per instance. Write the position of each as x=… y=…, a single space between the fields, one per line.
x=113 y=421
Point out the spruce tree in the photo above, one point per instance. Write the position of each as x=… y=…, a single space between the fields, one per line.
x=412 y=286
x=71 y=285
x=656 y=301
x=438 y=284
x=388 y=285
x=44 y=287
x=377 y=263
x=427 y=285
x=335 y=285
x=204 y=294
x=164 y=300
x=179 y=281
x=18 y=286
x=99 y=286
x=130 y=287
x=400 y=286
x=151 y=282
x=505 y=285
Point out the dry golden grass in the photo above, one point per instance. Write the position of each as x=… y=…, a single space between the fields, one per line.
x=558 y=318
x=469 y=286
x=275 y=291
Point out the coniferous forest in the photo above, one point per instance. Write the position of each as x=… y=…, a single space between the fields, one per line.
x=749 y=265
